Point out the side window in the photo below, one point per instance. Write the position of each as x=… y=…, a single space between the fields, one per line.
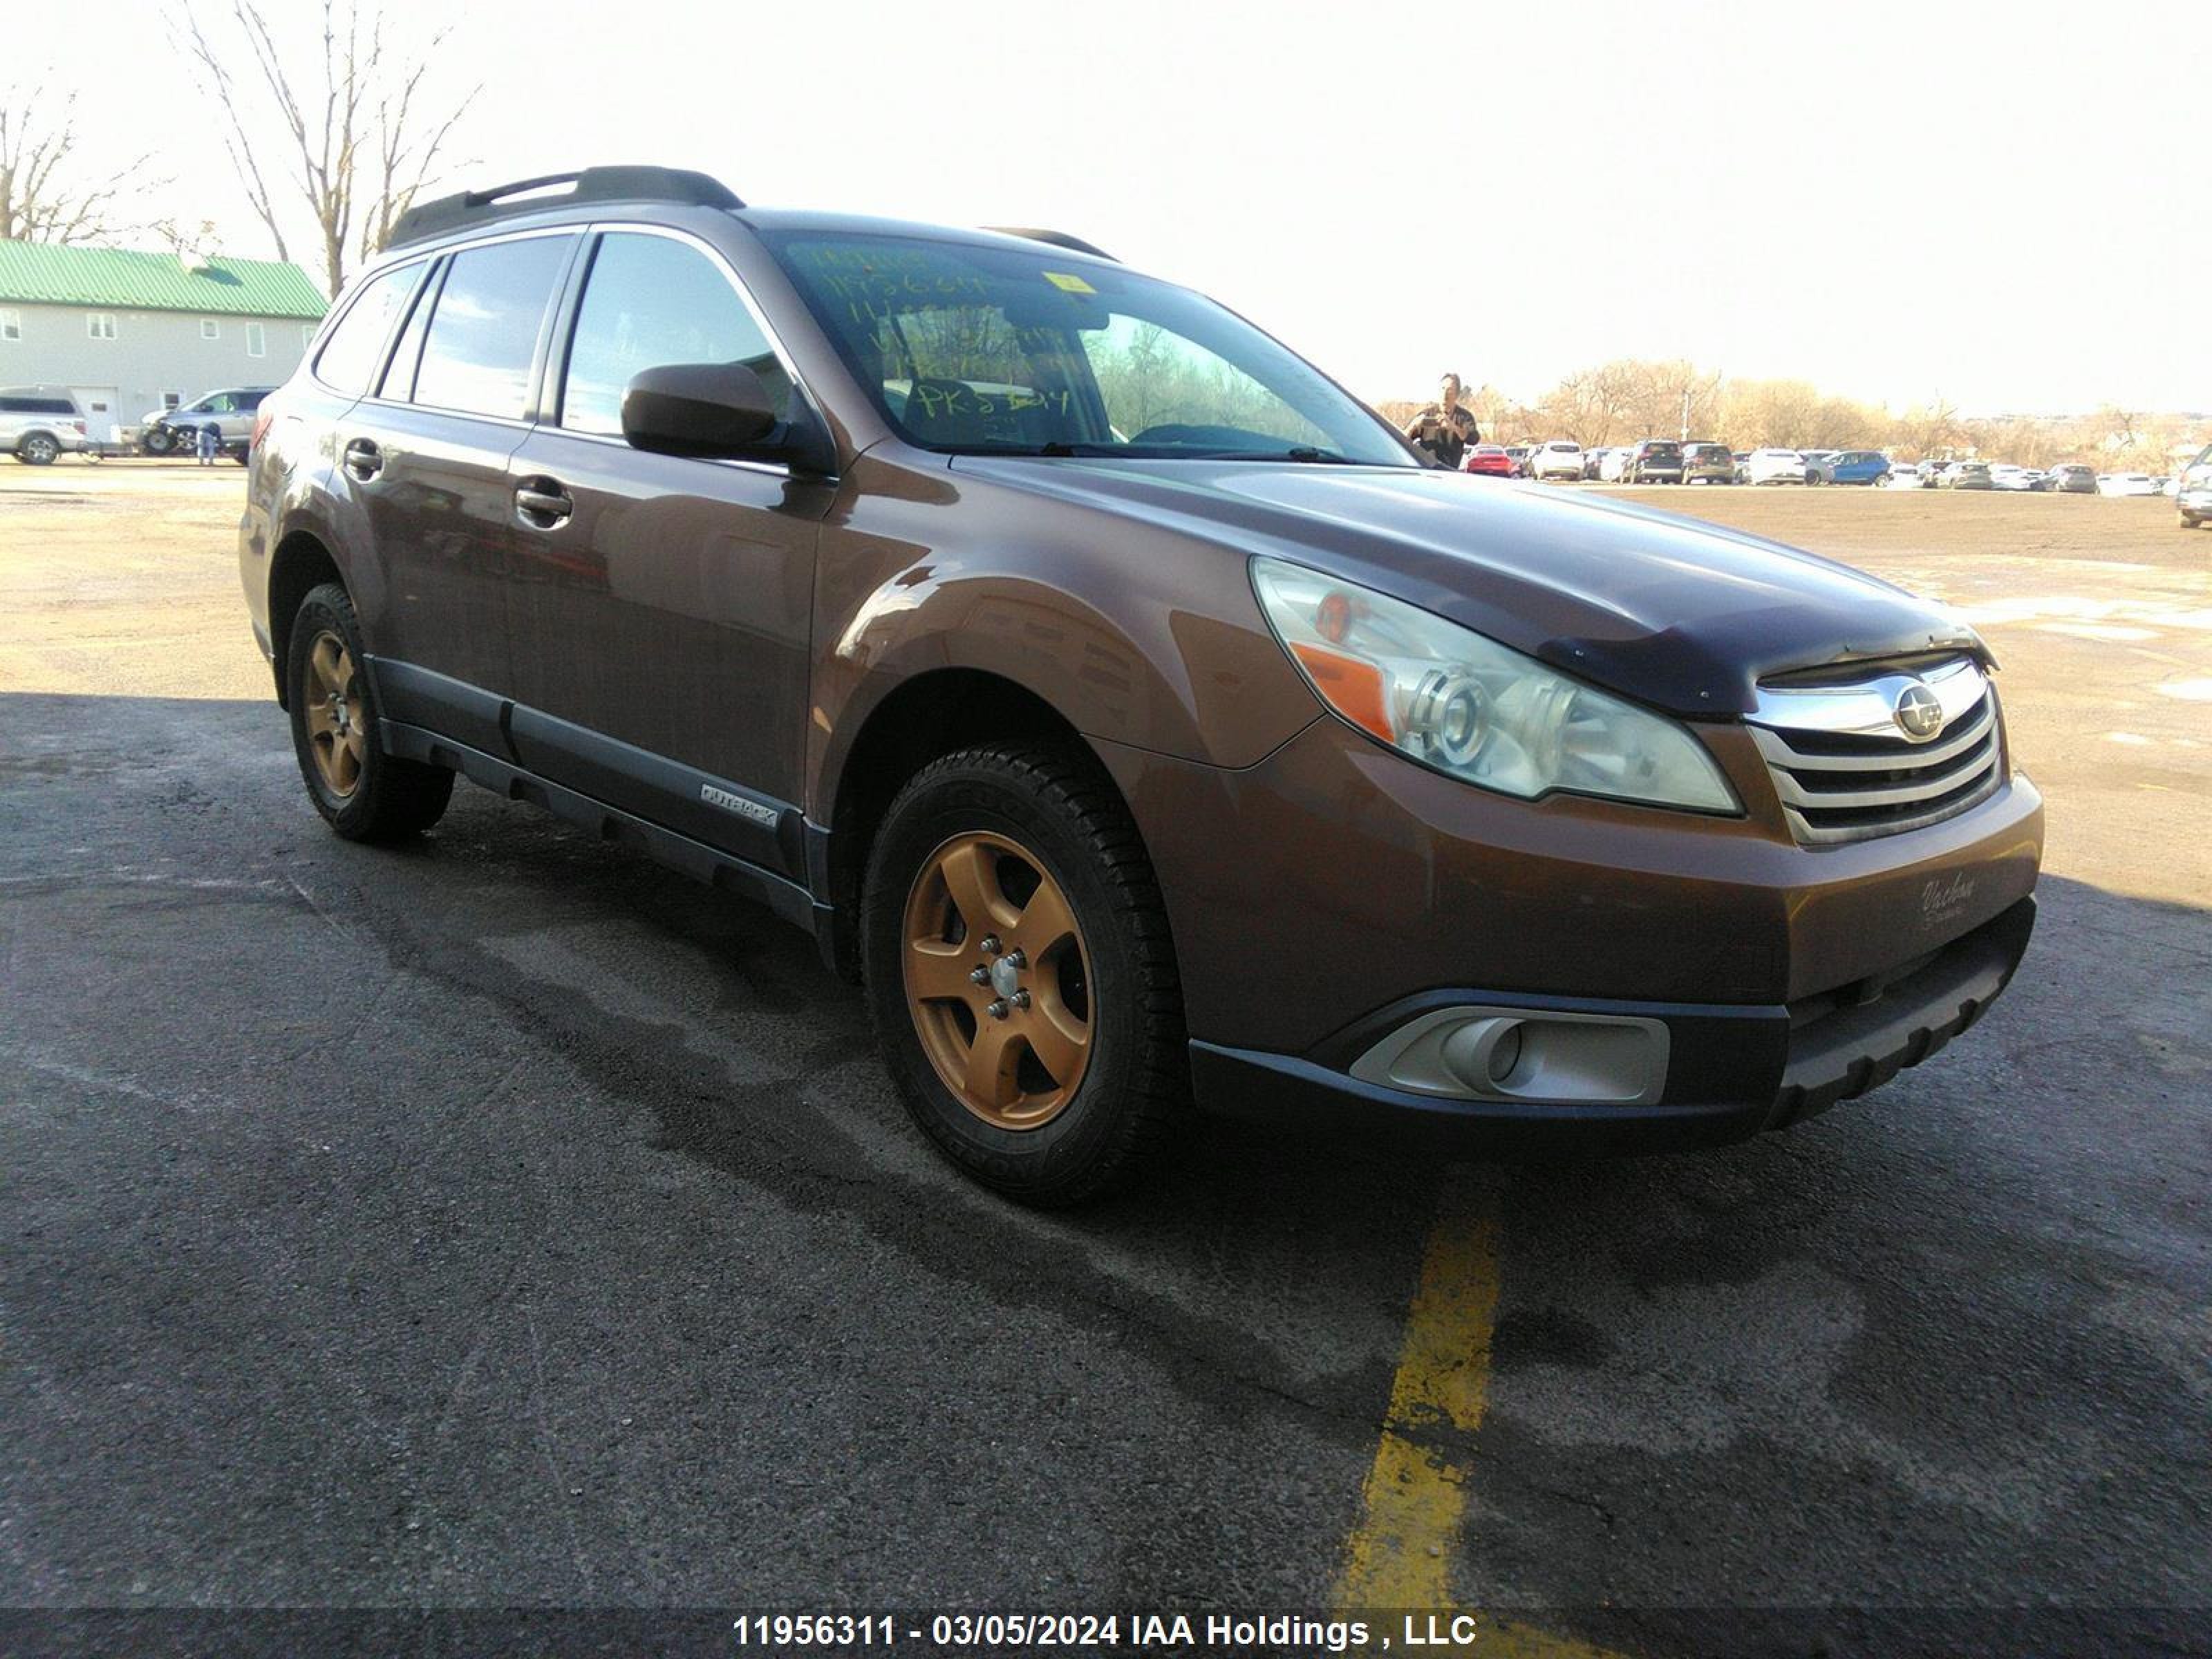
x=652 y=301
x=349 y=357
x=484 y=331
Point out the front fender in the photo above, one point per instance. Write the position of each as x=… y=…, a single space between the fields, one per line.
x=1136 y=636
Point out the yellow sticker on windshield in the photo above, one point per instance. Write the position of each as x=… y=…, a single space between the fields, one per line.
x=1067 y=284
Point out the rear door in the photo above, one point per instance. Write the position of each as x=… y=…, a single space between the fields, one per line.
x=425 y=456
x=662 y=607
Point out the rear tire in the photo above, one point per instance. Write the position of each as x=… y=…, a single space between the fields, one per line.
x=38 y=450
x=363 y=792
x=1034 y=840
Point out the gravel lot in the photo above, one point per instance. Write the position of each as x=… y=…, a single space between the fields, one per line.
x=505 y=1223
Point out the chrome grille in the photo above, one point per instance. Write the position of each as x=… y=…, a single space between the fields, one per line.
x=1845 y=769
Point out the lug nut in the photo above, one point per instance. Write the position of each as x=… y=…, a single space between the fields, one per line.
x=1021 y=999
x=998 y=1010
x=980 y=977
x=1019 y=958
x=990 y=945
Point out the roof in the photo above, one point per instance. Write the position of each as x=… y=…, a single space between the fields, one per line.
x=46 y=273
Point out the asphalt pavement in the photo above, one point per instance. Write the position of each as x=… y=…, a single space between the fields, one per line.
x=503 y=1222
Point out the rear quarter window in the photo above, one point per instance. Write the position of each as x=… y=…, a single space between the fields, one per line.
x=349 y=358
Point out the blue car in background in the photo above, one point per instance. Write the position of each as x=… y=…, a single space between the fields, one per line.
x=1848 y=466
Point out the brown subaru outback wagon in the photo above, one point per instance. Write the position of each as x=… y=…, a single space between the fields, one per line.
x=1116 y=698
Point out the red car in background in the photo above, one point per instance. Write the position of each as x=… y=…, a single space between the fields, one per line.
x=1492 y=461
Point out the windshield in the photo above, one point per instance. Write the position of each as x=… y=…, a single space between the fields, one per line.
x=971 y=348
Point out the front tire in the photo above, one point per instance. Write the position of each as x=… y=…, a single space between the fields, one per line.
x=1062 y=1070
x=363 y=792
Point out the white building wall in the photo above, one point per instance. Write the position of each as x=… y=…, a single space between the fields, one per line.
x=154 y=354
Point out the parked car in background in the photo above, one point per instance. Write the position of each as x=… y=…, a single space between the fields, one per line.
x=1812 y=459
x=2125 y=484
x=1614 y=467
x=2072 y=478
x=38 y=422
x=2165 y=485
x=2007 y=475
x=2193 y=493
x=1520 y=454
x=1774 y=467
x=1966 y=475
x=1656 y=460
x=1742 y=465
x=1711 y=464
x=1845 y=466
x=230 y=412
x=1492 y=461
x=1561 y=457
x=1902 y=475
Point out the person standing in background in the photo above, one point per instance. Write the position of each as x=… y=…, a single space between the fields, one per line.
x=207 y=443
x=1444 y=429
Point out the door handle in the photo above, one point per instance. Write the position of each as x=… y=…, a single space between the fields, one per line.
x=542 y=504
x=363 y=459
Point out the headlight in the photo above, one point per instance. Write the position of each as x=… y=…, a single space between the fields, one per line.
x=1469 y=707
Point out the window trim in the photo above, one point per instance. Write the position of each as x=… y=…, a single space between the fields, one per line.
x=93 y=320
x=556 y=388
x=210 y=329
x=257 y=335
x=11 y=324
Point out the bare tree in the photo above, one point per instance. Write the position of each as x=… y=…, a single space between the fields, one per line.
x=361 y=136
x=42 y=198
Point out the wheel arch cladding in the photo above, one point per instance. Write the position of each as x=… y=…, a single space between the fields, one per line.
x=919 y=719
x=301 y=565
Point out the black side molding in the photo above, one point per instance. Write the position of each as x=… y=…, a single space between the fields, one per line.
x=787 y=899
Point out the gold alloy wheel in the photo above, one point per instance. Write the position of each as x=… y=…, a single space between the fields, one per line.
x=331 y=700
x=997 y=980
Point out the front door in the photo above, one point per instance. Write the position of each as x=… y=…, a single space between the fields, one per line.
x=660 y=616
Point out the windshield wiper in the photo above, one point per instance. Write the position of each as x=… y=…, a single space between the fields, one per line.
x=1305 y=452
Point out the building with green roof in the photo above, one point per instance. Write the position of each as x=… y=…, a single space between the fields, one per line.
x=132 y=333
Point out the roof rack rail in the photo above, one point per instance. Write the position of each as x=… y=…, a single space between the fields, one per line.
x=1057 y=238
x=624 y=183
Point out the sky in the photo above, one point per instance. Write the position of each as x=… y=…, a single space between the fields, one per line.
x=2008 y=207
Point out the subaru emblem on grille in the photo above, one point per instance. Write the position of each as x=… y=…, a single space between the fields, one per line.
x=1919 y=712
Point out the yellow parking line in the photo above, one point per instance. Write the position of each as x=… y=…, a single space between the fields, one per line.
x=1414 y=1503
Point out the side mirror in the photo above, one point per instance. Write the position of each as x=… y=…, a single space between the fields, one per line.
x=709 y=410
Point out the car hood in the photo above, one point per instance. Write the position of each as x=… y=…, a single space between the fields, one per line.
x=1686 y=615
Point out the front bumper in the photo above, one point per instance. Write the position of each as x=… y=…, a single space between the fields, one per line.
x=2197 y=501
x=1336 y=878
x=1732 y=1071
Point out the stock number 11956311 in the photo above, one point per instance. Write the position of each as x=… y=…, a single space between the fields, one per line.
x=834 y=1631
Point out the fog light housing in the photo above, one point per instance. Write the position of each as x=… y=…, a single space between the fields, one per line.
x=1540 y=1056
